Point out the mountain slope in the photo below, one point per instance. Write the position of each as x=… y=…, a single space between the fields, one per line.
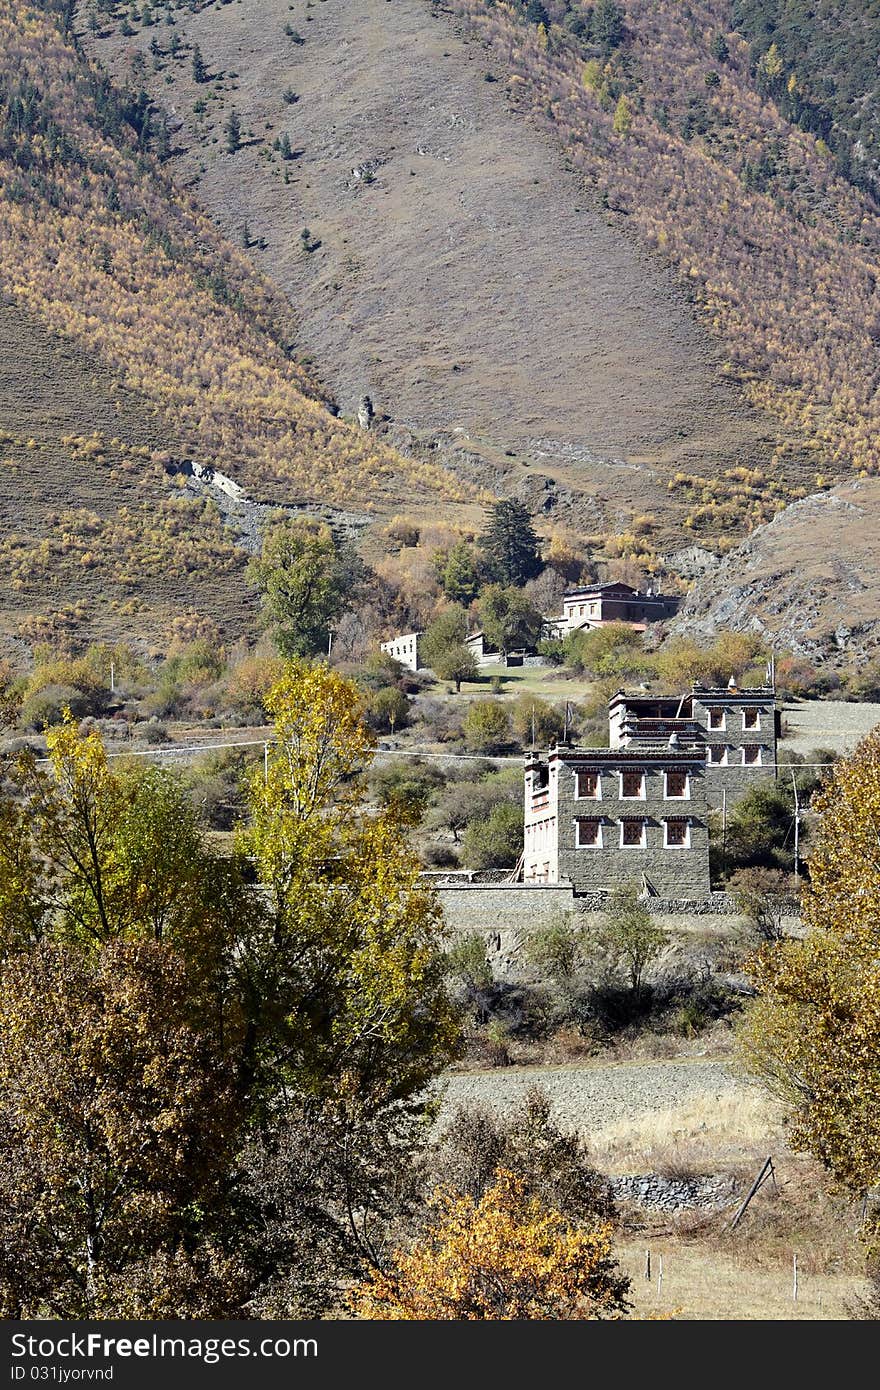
x=809 y=580
x=107 y=252
x=95 y=537
x=662 y=116
x=461 y=278
x=827 y=55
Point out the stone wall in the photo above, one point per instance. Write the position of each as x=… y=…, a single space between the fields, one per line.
x=502 y=906
x=506 y=912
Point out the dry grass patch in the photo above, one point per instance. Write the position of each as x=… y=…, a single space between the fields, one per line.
x=701 y=1281
x=709 y=1134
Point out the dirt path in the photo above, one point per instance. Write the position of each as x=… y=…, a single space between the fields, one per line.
x=592 y=1096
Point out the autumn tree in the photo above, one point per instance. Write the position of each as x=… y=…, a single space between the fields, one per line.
x=352 y=996
x=552 y=1162
x=448 y=629
x=812 y=1034
x=444 y=648
x=629 y=937
x=118 y=1119
x=487 y=726
x=623 y=116
x=167 y=1018
x=509 y=619
x=306 y=578
x=456 y=664
x=505 y=1256
x=509 y=545
x=535 y=722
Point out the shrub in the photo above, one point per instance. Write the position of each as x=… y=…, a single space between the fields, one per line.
x=487 y=726
x=386 y=710
x=468 y=961
x=760 y=896
x=536 y=722
x=629 y=937
x=46 y=707
x=557 y=949
x=497 y=842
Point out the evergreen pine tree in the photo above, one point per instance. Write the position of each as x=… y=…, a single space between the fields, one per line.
x=233 y=131
x=199 y=66
x=509 y=544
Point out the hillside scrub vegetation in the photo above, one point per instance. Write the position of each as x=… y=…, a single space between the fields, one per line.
x=106 y=251
x=777 y=247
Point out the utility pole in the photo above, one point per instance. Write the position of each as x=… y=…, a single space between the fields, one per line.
x=724 y=821
x=330 y=639
x=265 y=764
x=112 y=679
x=797 y=823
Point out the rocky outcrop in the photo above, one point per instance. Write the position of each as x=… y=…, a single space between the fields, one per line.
x=808 y=581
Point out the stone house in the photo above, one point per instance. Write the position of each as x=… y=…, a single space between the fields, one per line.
x=637 y=811
x=594 y=605
x=737 y=727
x=599 y=818
x=405 y=649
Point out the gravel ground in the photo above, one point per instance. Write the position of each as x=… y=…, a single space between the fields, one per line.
x=593 y=1096
x=838 y=724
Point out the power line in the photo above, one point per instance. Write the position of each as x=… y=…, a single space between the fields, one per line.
x=172 y=749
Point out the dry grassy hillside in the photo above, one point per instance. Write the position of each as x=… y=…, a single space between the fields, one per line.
x=457 y=273
x=95 y=537
x=809 y=580
x=107 y=252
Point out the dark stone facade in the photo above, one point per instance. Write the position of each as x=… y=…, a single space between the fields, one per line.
x=605 y=818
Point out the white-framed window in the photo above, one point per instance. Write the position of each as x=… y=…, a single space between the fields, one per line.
x=633 y=833
x=587 y=785
x=751 y=718
x=678 y=785
x=588 y=832
x=676 y=832
x=752 y=755
x=718 y=754
x=632 y=785
x=717 y=718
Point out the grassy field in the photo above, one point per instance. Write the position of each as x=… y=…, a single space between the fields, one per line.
x=709 y=1271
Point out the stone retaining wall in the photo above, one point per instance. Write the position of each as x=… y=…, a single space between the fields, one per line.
x=658 y=1193
x=507 y=910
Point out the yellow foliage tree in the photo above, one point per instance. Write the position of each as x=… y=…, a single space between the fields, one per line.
x=352 y=969
x=813 y=1034
x=623 y=116
x=505 y=1257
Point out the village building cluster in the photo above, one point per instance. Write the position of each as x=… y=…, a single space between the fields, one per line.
x=637 y=811
x=591 y=606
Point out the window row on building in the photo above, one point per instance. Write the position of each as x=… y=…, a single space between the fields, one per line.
x=748 y=755
x=629 y=785
x=630 y=832
x=718 y=717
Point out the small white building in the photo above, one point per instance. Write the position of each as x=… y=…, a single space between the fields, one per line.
x=404 y=649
